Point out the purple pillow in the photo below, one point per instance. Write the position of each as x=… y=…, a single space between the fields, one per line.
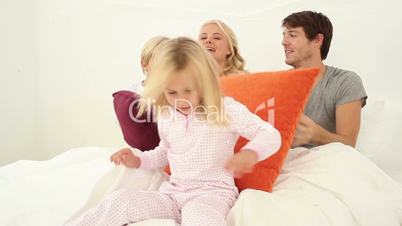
x=137 y=132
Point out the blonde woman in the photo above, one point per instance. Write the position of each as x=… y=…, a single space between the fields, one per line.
x=221 y=43
x=198 y=130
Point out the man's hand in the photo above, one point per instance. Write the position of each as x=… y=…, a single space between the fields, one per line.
x=347 y=127
x=126 y=157
x=242 y=162
x=306 y=131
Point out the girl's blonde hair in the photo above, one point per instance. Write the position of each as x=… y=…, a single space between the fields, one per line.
x=184 y=54
x=234 y=62
x=150 y=48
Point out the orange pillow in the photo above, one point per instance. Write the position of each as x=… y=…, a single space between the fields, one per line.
x=279 y=98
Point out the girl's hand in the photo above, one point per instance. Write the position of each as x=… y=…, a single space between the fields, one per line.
x=242 y=162
x=126 y=157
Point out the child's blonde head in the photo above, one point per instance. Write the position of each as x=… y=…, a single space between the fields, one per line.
x=185 y=55
x=149 y=49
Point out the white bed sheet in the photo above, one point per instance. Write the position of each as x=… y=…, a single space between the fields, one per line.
x=315 y=188
x=46 y=192
x=327 y=186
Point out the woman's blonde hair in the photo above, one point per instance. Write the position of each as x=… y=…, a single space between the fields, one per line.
x=150 y=47
x=234 y=63
x=184 y=54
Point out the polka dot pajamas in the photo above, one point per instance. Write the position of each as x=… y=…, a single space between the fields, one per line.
x=124 y=207
x=199 y=191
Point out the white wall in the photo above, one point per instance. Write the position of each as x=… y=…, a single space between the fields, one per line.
x=18 y=109
x=66 y=58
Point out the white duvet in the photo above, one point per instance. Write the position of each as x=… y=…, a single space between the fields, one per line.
x=328 y=186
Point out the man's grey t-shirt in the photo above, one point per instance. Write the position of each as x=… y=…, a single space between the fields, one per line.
x=335 y=88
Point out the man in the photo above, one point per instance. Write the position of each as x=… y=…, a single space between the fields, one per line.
x=332 y=113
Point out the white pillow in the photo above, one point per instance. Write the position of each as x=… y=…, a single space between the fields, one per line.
x=380 y=137
x=369 y=141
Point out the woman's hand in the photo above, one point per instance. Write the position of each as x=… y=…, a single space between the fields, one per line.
x=126 y=157
x=242 y=162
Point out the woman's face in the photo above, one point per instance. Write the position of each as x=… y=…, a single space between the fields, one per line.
x=214 y=40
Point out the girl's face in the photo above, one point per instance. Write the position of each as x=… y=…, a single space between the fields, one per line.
x=214 y=40
x=145 y=68
x=181 y=92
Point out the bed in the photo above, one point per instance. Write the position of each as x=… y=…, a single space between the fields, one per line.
x=326 y=186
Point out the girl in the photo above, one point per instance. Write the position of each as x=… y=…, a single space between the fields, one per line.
x=142 y=133
x=198 y=130
x=221 y=43
x=148 y=51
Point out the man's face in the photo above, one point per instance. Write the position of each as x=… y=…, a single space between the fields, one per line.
x=299 y=51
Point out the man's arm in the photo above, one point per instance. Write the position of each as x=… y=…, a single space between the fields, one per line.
x=347 y=127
